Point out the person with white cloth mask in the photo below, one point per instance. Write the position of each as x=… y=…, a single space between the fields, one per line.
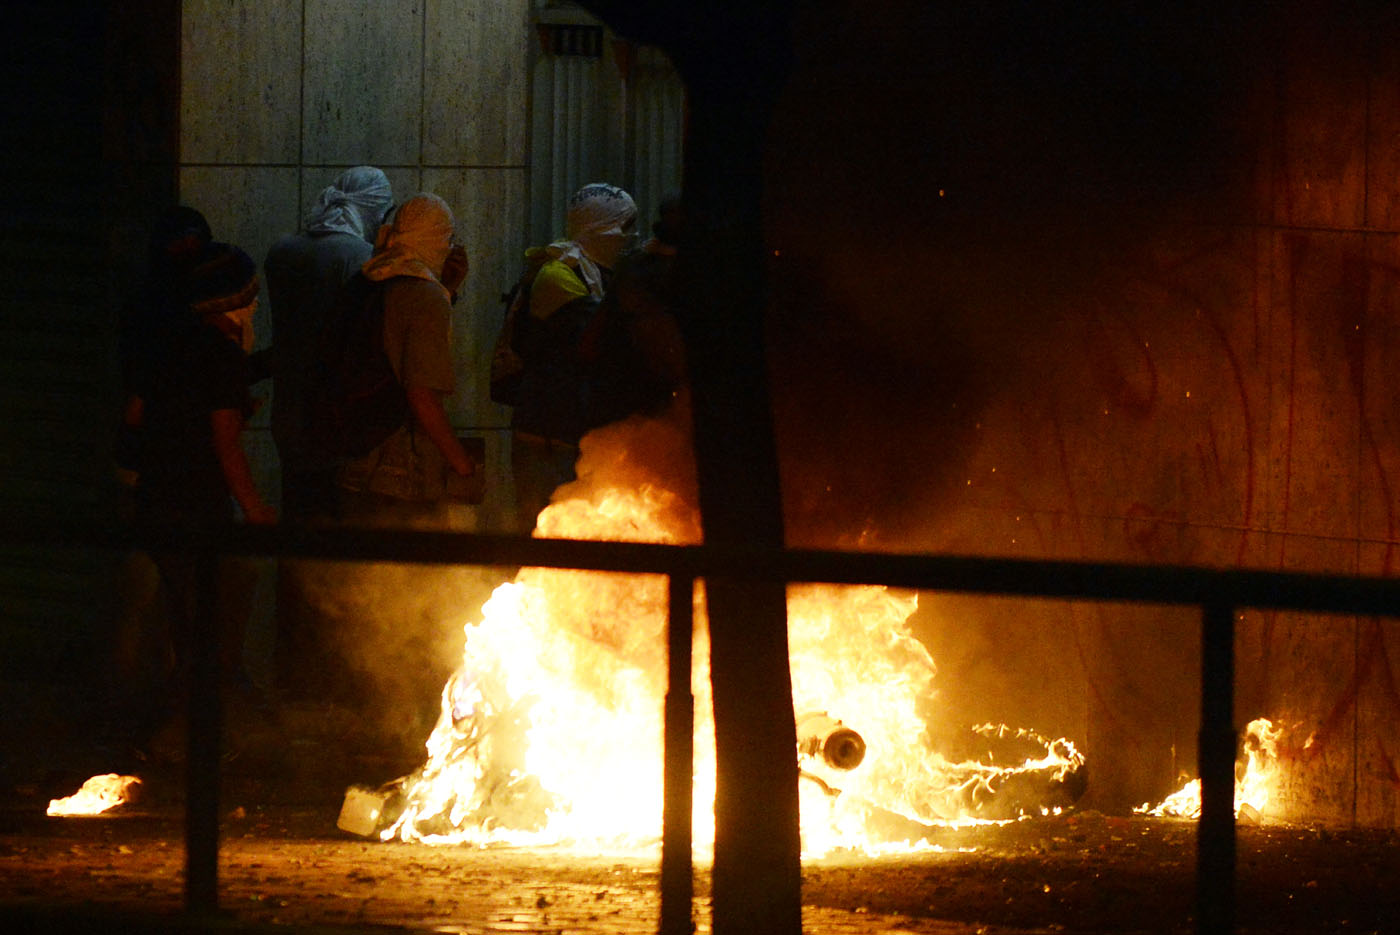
x=305 y=272
x=328 y=649
x=551 y=414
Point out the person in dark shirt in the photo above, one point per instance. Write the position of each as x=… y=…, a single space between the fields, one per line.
x=551 y=413
x=305 y=273
x=632 y=349
x=179 y=236
x=187 y=407
x=192 y=402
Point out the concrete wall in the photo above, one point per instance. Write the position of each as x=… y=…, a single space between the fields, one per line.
x=278 y=97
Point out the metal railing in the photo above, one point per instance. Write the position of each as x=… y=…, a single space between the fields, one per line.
x=1218 y=593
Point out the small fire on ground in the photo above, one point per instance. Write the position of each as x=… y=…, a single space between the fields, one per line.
x=97 y=795
x=551 y=730
x=1256 y=772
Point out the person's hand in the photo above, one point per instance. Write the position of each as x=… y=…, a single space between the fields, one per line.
x=462 y=482
x=454 y=270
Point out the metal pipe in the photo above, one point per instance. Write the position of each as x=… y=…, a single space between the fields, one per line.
x=1179 y=585
x=677 y=871
x=203 y=755
x=1215 y=829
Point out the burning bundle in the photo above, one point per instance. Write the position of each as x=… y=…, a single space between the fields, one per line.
x=550 y=730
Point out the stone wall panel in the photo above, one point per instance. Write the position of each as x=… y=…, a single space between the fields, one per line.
x=362 y=83
x=240 y=82
x=476 y=83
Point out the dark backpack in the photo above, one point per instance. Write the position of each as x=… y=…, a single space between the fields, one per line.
x=508 y=357
x=355 y=400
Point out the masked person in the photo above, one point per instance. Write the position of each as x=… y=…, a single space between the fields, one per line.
x=179 y=237
x=632 y=347
x=408 y=279
x=190 y=402
x=551 y=413
x=305 y=272
x=373 y=648
x=419 y=269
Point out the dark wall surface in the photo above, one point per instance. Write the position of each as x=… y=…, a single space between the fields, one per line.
x=1091 y=281
x=89 y=117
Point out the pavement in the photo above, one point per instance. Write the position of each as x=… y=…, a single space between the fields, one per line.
x=285 y=866
x=289 y=869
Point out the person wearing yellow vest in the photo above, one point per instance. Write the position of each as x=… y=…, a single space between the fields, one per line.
x=552 y=412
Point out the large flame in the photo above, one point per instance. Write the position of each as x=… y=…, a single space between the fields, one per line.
x=1255 y=775
x=551 y=729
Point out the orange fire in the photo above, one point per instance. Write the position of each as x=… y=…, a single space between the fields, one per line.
x=97 y=795
x=1255 y=776
x=550 y=731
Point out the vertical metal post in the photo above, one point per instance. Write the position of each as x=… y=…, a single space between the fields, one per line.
x=1215 y=830
x=202 y=756
x=677 y=872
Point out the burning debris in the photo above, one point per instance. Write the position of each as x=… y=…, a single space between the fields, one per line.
x=550 y=730
x=1255 y=772
x=1023 y=774
x=823 y=739
x=97 y=795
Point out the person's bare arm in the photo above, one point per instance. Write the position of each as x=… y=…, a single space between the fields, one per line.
x=228 y=426
x=432 y=418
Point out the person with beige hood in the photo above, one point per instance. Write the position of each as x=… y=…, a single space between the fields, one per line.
x=419 y=268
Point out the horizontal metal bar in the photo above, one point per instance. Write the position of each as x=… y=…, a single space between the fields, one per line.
x=1171 y=585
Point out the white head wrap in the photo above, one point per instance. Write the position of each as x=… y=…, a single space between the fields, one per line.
x=415 y=243
x=355 y=204
x=598 y=227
